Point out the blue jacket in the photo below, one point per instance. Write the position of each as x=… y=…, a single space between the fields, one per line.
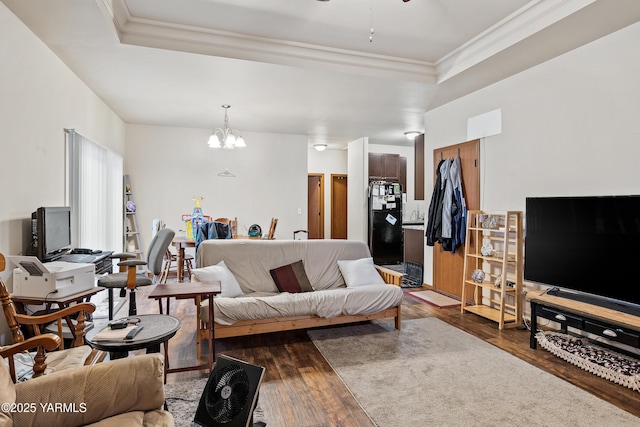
x=212 y=230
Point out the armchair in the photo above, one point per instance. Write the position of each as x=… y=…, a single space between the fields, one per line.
x=120 y=393
x=42 y=342
x=77 y=355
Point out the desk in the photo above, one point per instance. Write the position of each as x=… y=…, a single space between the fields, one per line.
x=63 y=302
x=102 y=261
x=158 y=329
x=195 y=290
x=180 y=244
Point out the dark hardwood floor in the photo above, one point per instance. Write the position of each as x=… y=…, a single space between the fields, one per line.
x=301 y=390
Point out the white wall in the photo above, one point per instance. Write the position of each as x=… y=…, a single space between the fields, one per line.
x=569 y=127
x=358 y=171
x=169 y=166
x=40 y=98
x=327 y=162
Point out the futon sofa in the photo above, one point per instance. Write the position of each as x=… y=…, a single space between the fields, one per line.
x=120 y=393
x=343 y=285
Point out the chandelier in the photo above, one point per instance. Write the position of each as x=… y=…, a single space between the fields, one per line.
x=226 y=138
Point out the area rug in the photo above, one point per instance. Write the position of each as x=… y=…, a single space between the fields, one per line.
x=435 y=298
x=433 y=374
x=602 y=362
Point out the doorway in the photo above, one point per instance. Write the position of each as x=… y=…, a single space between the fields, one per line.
x=448 y=267
x=339 y=185
x=315 y=206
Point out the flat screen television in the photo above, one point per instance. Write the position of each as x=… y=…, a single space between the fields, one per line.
x=588 y=245
x=51 y=229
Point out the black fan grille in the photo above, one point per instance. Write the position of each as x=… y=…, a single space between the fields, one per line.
x=227 y=394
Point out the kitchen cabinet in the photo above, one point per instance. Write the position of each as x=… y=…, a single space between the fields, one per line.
x=414 y=243
x=419 y=167
x=388 y=167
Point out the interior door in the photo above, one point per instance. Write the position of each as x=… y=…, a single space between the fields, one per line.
x=315 y=206
x=448 y=267
x=339 y=184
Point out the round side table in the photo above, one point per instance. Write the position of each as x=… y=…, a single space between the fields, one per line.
x=157 y=329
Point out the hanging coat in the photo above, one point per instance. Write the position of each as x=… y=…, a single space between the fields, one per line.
x=447 y=200
x=434 y=216
x=459 y=217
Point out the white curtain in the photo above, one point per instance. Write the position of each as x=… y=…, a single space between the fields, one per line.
x=94 y=193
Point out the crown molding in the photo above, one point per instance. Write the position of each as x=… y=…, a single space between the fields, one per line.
x=523 y=23
x=185 y=38
x=532 y=18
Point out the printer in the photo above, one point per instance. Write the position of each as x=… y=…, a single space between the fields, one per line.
x=32 y=278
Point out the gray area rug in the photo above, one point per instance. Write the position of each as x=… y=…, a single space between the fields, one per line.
x=433 y=374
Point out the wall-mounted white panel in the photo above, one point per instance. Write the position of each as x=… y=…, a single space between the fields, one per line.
x=484 y=125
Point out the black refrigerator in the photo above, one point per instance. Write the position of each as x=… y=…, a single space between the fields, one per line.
x=385 y=222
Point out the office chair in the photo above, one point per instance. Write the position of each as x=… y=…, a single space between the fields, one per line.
x=131 y=279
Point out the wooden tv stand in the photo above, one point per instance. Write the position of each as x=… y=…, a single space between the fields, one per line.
x=612 y=324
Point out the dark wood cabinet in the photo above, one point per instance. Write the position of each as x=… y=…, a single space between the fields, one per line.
x=419 y=167
x=414 y=244
x=375 y=166
x=384 y=166
x=388 y=167
x=402 y=173
x=391 y=166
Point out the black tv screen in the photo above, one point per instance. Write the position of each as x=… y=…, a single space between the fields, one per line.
x=53 y=232
x=586 y=244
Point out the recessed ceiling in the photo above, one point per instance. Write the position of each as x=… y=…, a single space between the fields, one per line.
x=306 y=67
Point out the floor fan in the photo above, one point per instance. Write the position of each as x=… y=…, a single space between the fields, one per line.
x=231 y=394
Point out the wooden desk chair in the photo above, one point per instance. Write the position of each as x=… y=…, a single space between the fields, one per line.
x=232 y=223
x=304 y=233
x=272 y=228
x=77 y=355
x=171 y=261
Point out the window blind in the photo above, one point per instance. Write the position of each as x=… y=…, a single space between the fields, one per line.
x=94 y=193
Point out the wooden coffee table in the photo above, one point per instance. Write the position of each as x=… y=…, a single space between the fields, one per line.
x=195 y=291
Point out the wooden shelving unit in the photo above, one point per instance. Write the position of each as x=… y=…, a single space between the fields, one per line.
x=132 y=240
x=494 y=246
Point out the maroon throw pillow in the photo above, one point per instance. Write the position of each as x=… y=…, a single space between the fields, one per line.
x=291 y=278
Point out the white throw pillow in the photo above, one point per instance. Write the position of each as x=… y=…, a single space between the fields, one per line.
x=360 y=272
x=230 y=286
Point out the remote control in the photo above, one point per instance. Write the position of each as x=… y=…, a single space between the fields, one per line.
x=119 y=324
x=132 y=333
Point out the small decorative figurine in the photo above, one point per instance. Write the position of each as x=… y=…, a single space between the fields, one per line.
x=498 y=282
x=486 y=249
x=197 y=217
x=490 y=221
x=477 y=276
